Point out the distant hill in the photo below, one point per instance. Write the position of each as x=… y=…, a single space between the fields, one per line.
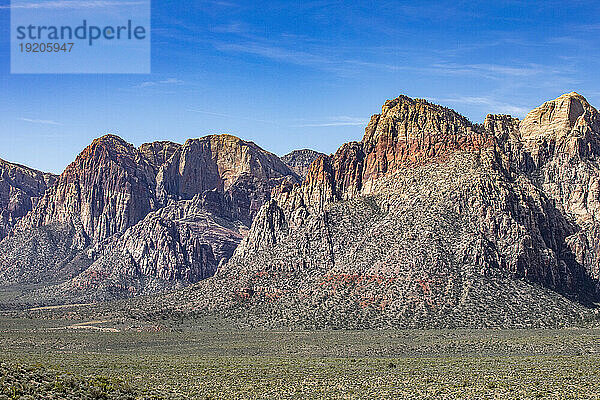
x=300 y=160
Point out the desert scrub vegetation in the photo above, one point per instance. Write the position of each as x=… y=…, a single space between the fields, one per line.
x=36 y=382
x=201 y=363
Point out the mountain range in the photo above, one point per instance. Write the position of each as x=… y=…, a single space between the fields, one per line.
x=429 y=221
x=122 y=221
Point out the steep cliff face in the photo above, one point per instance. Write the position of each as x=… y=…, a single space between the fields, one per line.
x=172 y=247
x=569 y=121
x=414 y=131
x=108 y=188
x=299 y=161
x=20 y=190
x=241 y=170
x=407 y=132
x=529 y=233
x=561 y=146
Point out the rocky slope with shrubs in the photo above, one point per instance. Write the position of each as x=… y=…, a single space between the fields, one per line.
x=429 y=221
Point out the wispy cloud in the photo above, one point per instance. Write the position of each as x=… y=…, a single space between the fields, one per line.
x=588 y=28
x=333 y=60
x=233 y=28
x=495 y=69
x=74 y=4
x=336 y=121
x=323 y=58
x=493 y=106
x=164 y=82
x=275 y=53
x=40 y=121
x=222 y=3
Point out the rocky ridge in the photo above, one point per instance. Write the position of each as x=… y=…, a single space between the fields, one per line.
x=118 y=223
x=158 y=153
x=108 y=188
x=241 y=170
x=429 y=221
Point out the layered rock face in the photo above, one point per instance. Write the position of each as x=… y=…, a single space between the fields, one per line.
x=300 y=160
x=429 y=221
x=103 y=231
x=407 y=132
x=413 y=131
x=20 y=190
x=157 y=153
x=243 y=172
x=512 y=211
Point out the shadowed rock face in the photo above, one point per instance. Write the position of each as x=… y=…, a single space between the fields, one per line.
x=172 y=247
x=20 y=190
x=300 y=160
x=561 y=146
x=429 y=221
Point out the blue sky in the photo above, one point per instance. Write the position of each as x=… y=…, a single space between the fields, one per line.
x=304 y=74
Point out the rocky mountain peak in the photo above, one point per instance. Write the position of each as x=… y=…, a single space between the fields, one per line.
x=558 y=118
x=567 y=126
x=407 y=132
x=406 y=119
x=501 y=126
x=110 y=142
x=216 y=162
x=427 y=217
x=109 y=187
x=102 y=231
x=413 y=131
x=300 y=160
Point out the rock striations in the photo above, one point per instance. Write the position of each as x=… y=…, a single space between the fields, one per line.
x=107 y=189
x=158 y=153
x=429 y=221
x=243 y=173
